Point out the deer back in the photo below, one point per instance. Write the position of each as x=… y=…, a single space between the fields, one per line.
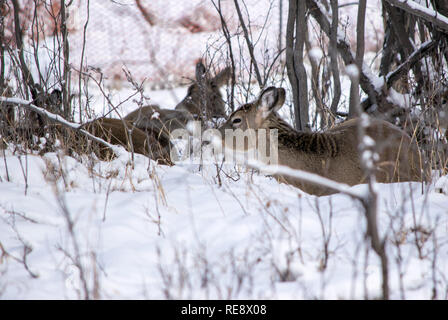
x=121 y=132
x=334 y=153
x=155 y=119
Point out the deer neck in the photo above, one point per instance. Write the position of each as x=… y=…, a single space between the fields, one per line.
x=311 y=143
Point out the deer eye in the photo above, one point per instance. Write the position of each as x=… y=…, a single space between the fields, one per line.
x=236 y=121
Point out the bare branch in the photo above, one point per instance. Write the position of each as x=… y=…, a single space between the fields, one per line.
x=250 y=46
x=147 y=15
x=58 y=119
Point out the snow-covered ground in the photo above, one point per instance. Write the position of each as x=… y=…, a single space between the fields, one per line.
x=180 y=232
x=123 y=230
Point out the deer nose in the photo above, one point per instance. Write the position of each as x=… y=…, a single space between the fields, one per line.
x=223 y=127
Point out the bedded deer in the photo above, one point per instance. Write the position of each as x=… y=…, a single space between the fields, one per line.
x=332 y=154
x=155 y=145
x=154 y=118
x=203 y=101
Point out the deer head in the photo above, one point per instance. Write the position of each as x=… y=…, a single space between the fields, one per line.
x=203 y=96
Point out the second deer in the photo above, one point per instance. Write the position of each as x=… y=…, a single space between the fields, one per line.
x=332 y=154
x=203 y=101
x=155 y=145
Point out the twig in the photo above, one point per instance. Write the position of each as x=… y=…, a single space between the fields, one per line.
x=249 y=45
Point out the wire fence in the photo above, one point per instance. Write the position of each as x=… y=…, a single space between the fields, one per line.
x=161 y=40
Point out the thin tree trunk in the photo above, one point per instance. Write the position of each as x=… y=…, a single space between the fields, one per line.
x=2 y=47
x=292 y=12
x=360 y=44
x=294 y=61
x=280 y=31
x=27 y=77
x=66 y=70
x=333 y=50
x=389 y=46
x=301 y=30
x=82 y=61
x=370 y=203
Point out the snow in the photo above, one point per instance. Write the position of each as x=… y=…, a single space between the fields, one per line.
x=442 y=185
x=399 y=99
x=155 y=115
x=316 y=54
x=147 y=231
x=352 y=71
x=307 y=176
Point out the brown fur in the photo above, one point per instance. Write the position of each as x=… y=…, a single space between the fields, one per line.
x=152 y=117
x=121 y=132
x=334 y=153
x=204 y=98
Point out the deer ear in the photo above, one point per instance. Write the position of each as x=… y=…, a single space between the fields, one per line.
x=271 y=99
x=222 y=77
x=200 y=71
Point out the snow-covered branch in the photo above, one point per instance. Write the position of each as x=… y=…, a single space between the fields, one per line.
x=308 y=177
x=58 y=119
x=403 y=68
x=412 y=7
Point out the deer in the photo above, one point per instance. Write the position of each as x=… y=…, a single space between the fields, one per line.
x=203 y=101
x=155 y=145
x=332 y=154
